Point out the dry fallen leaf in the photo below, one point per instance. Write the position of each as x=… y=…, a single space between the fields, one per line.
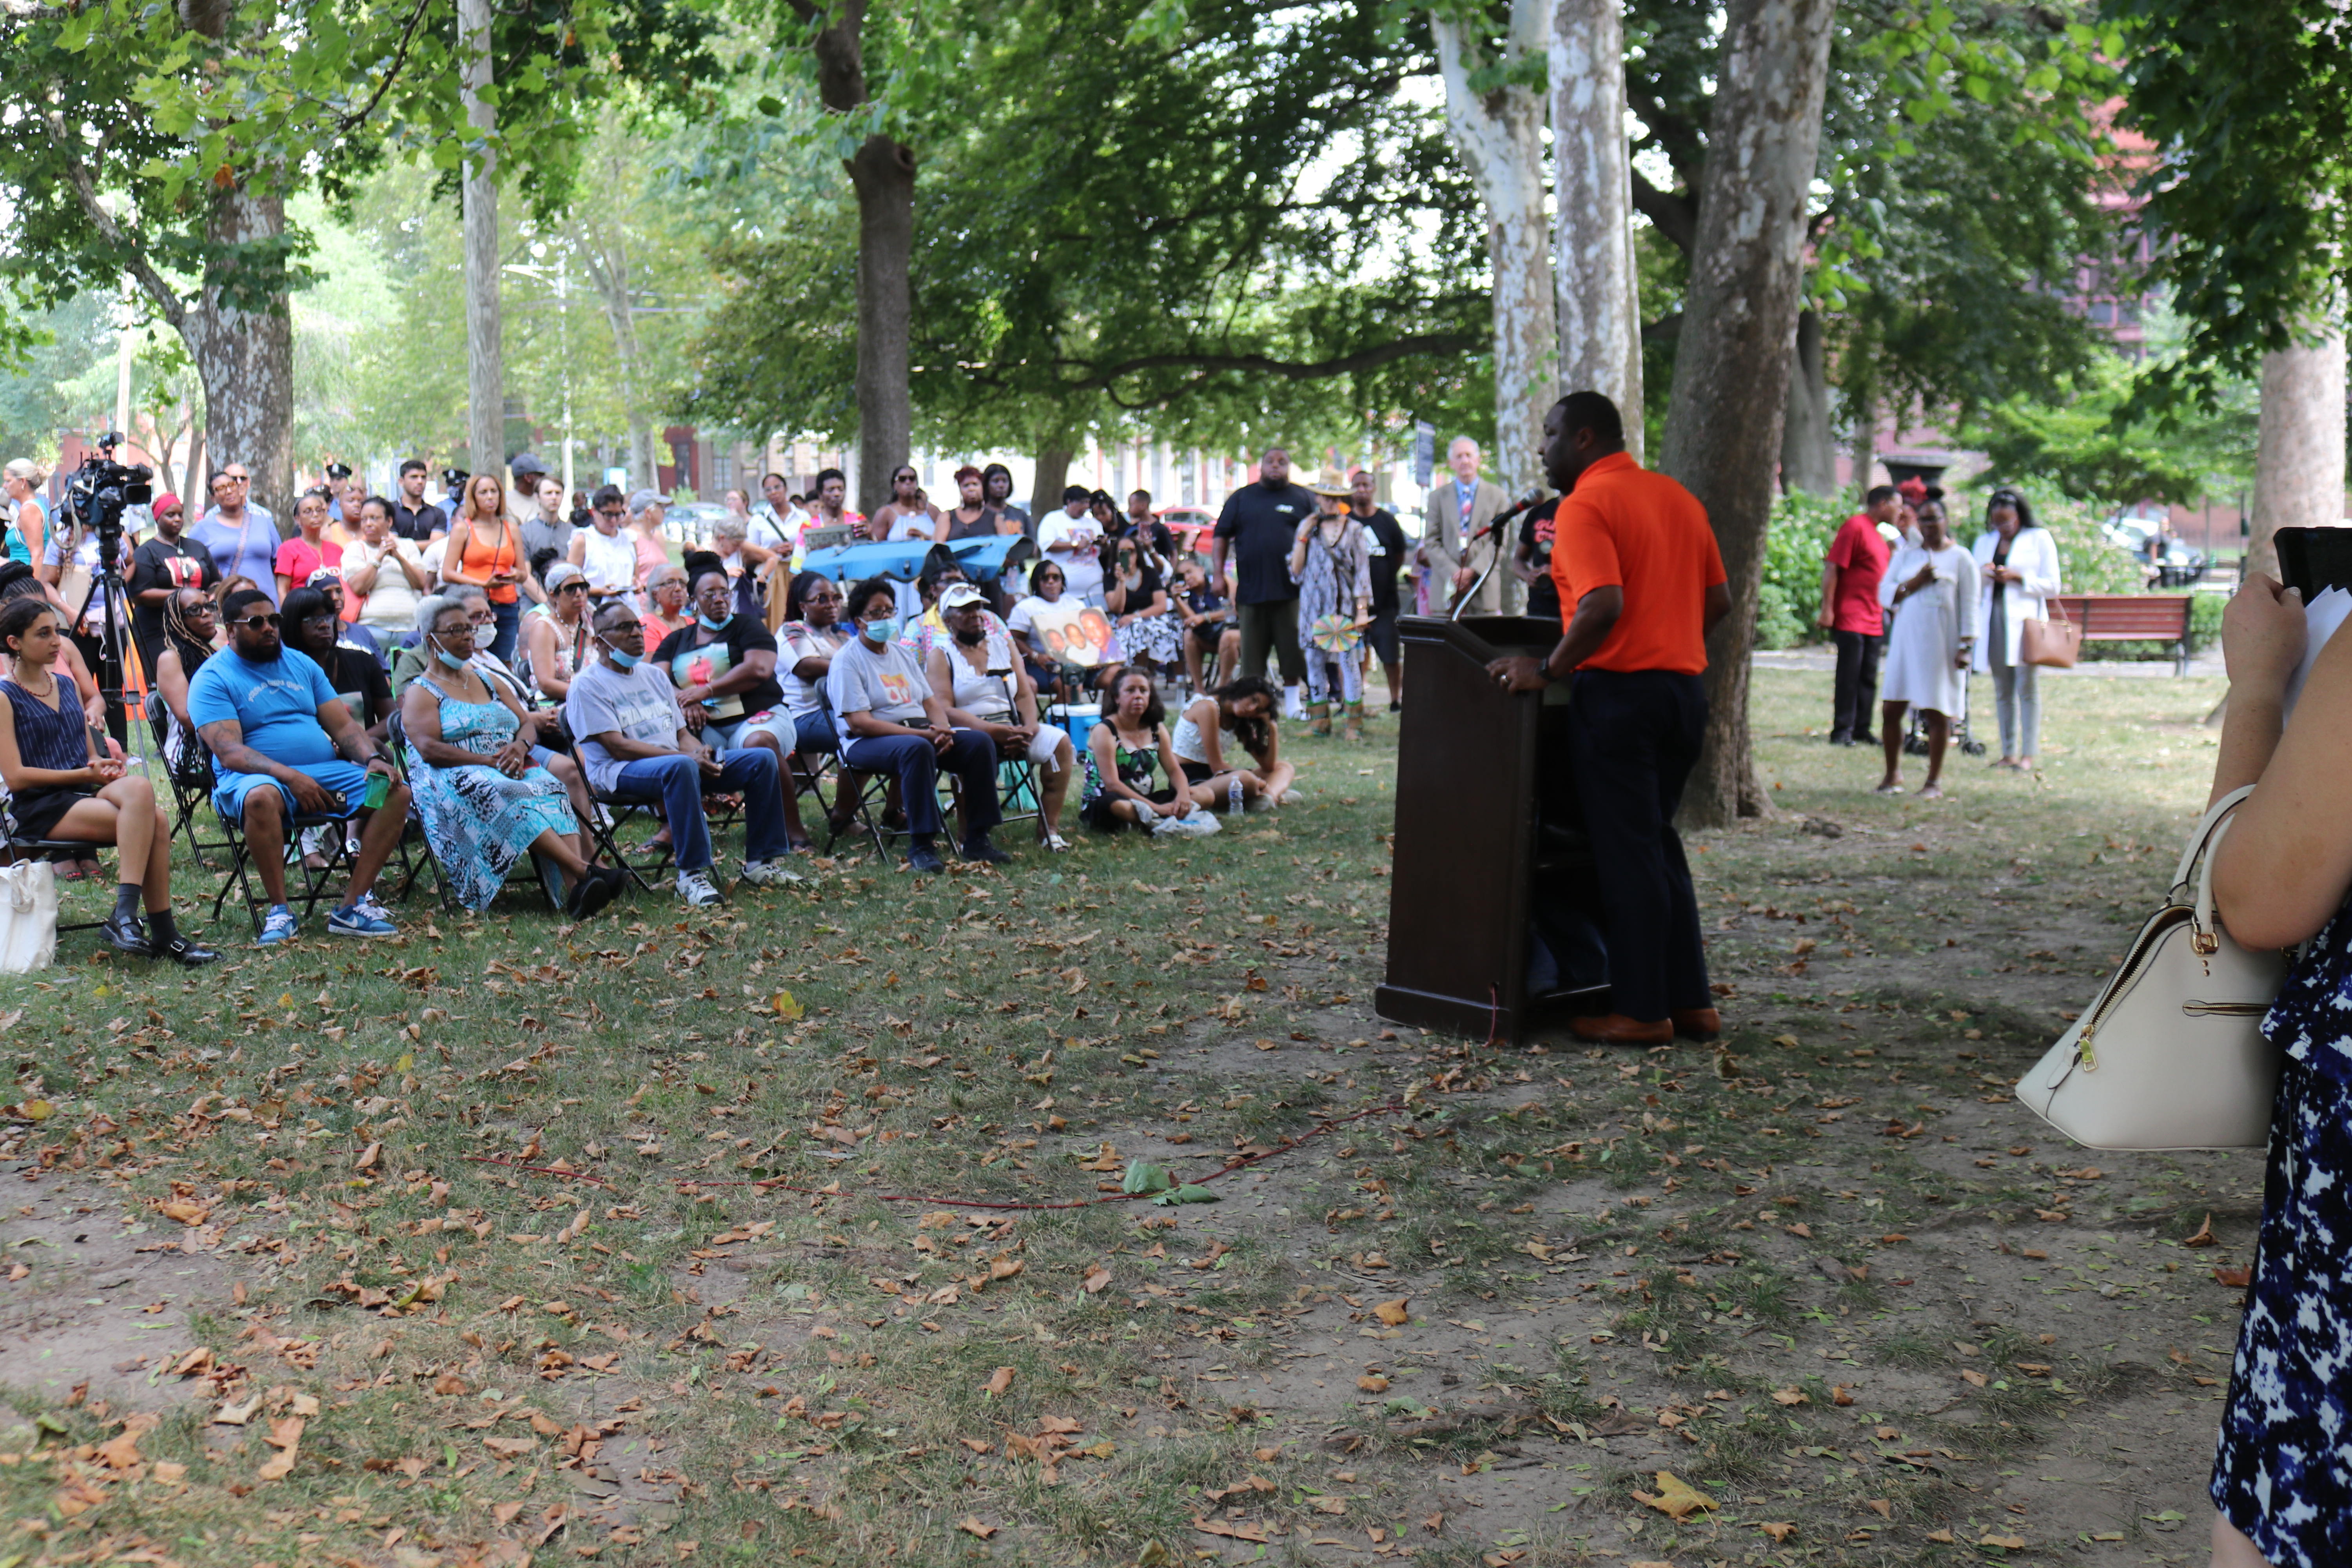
x=286 y=1436
x=1791 y=1394
x=1393 y=1312
x=2204 y=1237
x=1097 y=1279
x=1778 y=1532
x=186 y=1212
x=999 y=1380
x=2007 y=1542
x=1676 y=1498
x=973 y=1527
x=368 y=1157
x=1972 y=1376
x=1372 y=1383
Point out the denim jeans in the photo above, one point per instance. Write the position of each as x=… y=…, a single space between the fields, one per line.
x=676 y=781
x=972 y=758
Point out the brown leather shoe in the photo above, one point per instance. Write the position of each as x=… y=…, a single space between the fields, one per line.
x=1696 y=1023
x=1616 y=1029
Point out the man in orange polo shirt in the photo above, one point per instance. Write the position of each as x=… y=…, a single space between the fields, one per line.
x=1641 y=582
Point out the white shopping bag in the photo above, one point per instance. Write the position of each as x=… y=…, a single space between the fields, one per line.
x=28 y=917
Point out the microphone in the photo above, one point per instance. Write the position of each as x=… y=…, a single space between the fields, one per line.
x=1533 y=498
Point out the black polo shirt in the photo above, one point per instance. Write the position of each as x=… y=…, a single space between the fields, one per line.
x=1263 y=524
x=1388 y=552
x=421 y=524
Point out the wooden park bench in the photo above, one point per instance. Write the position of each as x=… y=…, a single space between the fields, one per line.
x=2132 y=617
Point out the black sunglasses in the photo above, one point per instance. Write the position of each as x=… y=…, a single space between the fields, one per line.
x=259 y=623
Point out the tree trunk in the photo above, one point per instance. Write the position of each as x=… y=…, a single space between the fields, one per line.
x=2299 y=445
x=1053 y=477
x=1498 y=136
x=193 y=492
x=1597 y=293
x=1723 y=422
x=1863 y=451
x=1808 y=449
x=883 y=171
x=247 y=365
x=486 y=408
x=605 y=256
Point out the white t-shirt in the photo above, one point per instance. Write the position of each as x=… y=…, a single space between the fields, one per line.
x=608 y=563
x=1081 y=569
x=391 y=606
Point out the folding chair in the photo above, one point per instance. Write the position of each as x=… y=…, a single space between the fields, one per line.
x=313 y=879
x=619 y=811
x=14 y=845
x=190 y=780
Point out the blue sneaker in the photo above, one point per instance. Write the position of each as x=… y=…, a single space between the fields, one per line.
x=279 y=925
x=361 y=919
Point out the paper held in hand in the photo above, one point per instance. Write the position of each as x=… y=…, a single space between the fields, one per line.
x=2320 y=619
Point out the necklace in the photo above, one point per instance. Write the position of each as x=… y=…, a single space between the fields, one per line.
x=45 y=696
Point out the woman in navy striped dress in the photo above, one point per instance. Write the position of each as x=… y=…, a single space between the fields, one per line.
x=55 y=791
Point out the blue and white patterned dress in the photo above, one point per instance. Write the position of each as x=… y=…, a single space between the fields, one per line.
x=477 y=820
x=2283 y=1465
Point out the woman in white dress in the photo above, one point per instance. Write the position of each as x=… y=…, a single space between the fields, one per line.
x=1931 y=587
x=2018 y=563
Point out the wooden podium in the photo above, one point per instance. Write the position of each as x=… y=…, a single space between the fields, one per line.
x=1487 y=839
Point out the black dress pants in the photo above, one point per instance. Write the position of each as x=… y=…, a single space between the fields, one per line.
x=1633 y=738
x=1856 y=692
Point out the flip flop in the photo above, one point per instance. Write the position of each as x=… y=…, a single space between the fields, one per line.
x=1888 y=789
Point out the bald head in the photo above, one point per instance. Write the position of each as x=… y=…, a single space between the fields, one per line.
x=1274 y=468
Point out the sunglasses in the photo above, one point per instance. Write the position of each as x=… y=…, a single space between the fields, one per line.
x=573 y=588
x=259 y=623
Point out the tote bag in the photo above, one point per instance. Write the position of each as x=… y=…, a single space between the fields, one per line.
x=28 y=917
x=2055 y=645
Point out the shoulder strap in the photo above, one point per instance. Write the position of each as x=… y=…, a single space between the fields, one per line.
x=2208 y=831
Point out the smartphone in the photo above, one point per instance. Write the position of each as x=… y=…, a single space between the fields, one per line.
x=2315 y=560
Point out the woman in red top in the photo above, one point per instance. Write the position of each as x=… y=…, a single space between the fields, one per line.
x=485 y=548
x=309 y=548
x=1850 y=614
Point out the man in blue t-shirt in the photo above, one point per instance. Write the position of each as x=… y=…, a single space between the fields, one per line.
x=279 y=739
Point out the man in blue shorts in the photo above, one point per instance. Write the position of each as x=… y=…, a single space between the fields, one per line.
x=282 y=743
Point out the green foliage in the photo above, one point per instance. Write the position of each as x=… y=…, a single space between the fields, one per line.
x=2088 y=561
x=1189 y=228
x=2083 y=438
x=2247 y=105
x=1803 y=527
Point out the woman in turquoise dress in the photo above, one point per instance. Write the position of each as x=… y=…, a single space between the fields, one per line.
x=482 y=803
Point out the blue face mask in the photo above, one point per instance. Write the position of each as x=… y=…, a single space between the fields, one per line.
x=621 y=656
x=446 y=657
x=707 y=624
x=880 y=630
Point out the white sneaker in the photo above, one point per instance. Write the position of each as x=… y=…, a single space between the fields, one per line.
x=768 y=873
x=695 y=889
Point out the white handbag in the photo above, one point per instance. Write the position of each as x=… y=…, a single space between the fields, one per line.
x=2170 y=1055
x=28 y=917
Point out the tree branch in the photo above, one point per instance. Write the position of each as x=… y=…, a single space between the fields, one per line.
x=1685 y=147
x=399 y=60
x=1677 y=218
x=1099 y=379
x=85 y=189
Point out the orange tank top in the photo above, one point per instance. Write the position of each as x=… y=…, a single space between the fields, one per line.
x=480 y=560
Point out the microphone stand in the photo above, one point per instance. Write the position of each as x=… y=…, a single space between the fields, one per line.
x=1491 y=527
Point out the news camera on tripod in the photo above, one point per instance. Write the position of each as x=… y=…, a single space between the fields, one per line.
x=87 y=557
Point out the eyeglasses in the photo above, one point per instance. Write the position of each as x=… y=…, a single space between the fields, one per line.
x=258 y=623
x=610 y=511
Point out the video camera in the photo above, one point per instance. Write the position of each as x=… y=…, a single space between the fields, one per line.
x=96 y=492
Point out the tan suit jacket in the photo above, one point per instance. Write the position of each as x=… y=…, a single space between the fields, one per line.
x=1446 y=554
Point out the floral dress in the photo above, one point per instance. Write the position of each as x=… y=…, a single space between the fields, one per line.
x=476 y=820
x=1338 y=580
x=1137 y=767
x=2283 y=1465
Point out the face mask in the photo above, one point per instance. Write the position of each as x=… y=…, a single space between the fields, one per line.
x=707 y=624
x=972 y=637
x=442 y=652
x=881 y=629
x=626 y=660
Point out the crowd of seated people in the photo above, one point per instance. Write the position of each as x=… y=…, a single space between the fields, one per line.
x=507 y=684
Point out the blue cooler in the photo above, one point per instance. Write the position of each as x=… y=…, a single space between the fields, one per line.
x=1079 y=719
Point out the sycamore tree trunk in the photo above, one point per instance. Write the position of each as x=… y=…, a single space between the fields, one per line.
x=1597 y=293
x=2298 y=445
x=1731 y=361
x=1808 y=445
x=605 y=256
x=1498 y=135
x=246 y=359
x=882 y=173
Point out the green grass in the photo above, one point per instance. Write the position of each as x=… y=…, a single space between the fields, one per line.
x=975 y=1038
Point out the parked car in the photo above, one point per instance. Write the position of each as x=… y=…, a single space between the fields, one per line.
x=2165 y=560
x=688 y=521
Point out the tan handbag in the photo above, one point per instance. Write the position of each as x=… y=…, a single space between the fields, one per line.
x=2170 y=1055
x=2054 y=644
